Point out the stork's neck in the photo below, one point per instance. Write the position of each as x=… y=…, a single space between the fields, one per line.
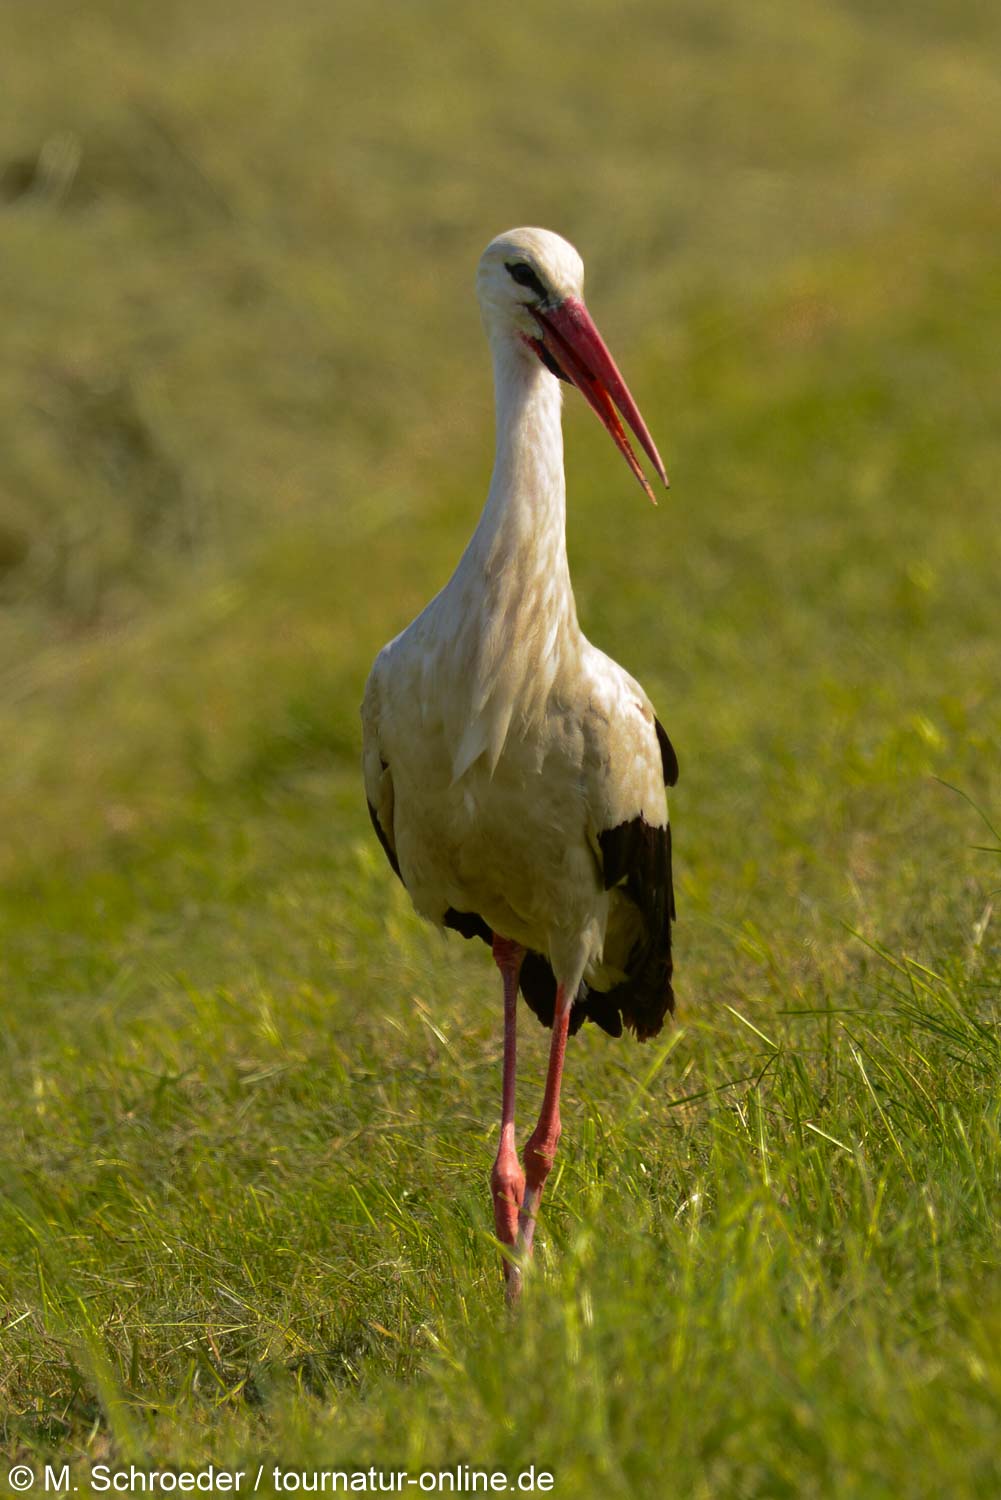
x=509 y=608
x=522 y=531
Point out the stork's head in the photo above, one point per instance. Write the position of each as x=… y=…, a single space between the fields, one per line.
x=530 y=283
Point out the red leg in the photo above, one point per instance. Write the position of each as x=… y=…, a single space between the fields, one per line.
x=540 y=1148
x=507 y=1180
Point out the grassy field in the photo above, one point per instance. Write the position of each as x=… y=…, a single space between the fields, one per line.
x=249 y=1101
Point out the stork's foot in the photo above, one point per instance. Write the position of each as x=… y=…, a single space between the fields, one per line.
x=507 y=1184
x=540 y=1153
x=516 y=1194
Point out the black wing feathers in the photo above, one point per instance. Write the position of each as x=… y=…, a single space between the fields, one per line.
x=637 y=855
x=387 y=847
x=538 y=985
x=668 y=759
x=469 y=924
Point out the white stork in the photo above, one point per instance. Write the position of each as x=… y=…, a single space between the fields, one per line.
x=515 y=774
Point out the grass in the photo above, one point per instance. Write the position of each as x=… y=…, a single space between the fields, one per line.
x=249 y=1101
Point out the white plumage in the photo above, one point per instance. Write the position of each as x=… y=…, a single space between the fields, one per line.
x=508 y=762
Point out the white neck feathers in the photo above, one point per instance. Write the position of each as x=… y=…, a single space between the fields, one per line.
x=509 y=604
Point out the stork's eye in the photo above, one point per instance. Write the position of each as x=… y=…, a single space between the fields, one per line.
x=525 y=276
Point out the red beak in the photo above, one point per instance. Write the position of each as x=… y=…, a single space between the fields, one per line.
x=574 y=345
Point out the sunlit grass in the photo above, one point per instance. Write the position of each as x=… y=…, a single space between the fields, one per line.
x=249 y=1100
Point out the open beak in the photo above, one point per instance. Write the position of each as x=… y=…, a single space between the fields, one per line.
x=570 y=342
